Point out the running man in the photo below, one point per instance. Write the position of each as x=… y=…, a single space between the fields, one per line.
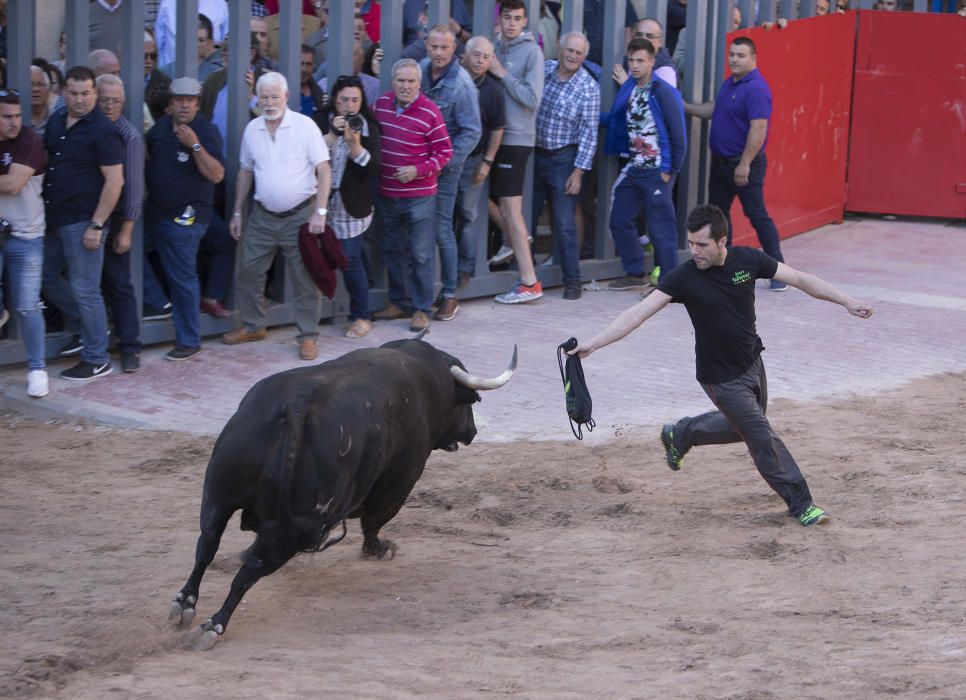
x=717 y=287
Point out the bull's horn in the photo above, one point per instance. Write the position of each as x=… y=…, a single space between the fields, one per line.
x=422 y=333
x=471 y=382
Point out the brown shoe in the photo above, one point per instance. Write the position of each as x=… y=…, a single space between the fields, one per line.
x=243 y=335
x=420 y=321
x=214 y=308
x=390 y=313
x=308 y=350
x=447 y=309
x=359 y=328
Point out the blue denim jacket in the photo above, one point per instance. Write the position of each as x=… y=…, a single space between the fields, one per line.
x=459 y=101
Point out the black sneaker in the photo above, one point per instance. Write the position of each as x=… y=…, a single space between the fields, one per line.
x=572 y=290
x=673 y=456
x=153 y=314
x=85 y=371
x=629 y=282
x=74 y=347
x=183 y=352
x=130 y=362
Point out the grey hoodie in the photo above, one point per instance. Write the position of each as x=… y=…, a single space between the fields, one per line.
x=523 y=85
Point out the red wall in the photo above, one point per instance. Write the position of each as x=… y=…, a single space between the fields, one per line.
x=809 y=67
x=909 y=115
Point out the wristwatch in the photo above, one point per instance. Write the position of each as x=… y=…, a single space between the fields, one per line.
x=488 y=162
x=96 y=226
x=196 y=147
x=321 y=211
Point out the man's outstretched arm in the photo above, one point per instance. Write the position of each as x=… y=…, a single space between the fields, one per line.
x=820 y=289
x=627 y=321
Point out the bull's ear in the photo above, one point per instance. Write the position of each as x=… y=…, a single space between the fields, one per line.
x=464 y=395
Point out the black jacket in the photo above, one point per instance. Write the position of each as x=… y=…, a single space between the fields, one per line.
x=359 y=182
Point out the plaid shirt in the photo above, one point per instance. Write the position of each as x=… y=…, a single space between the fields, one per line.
x=569 y=114
x=339 y=219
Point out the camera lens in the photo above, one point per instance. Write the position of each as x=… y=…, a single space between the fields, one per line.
x=355 y=122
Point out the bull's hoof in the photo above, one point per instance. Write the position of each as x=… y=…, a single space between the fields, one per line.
x=203 y=637
x=383 y=550
x=182 y=610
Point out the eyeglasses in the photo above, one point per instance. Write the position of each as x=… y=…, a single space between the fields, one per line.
x=10 y=92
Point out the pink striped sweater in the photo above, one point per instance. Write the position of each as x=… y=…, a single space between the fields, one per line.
x=415 y=136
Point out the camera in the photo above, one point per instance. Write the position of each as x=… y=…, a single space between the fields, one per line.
x=355 y=122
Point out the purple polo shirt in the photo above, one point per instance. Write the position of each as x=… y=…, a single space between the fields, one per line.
x=738 y=102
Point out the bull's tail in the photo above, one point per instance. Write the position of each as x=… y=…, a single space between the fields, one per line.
x=308 y=529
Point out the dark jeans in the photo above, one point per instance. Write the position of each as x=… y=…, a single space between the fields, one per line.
x=741 y=417
x=178 y=247
x=119 y=294
x=356 y=280
x=550 y=173
x=409 y=250
x=636 y=189
x=722 y=191
x=218 y=251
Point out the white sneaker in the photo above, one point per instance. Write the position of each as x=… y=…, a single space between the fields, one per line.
x=37 y=385
x=4 y=317
x=504 y=254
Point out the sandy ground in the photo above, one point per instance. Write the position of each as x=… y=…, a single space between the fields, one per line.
x=543 y=570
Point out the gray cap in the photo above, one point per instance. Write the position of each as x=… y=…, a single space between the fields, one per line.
x=185 y=86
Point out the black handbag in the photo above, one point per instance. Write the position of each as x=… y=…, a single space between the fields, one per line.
x=576 y=394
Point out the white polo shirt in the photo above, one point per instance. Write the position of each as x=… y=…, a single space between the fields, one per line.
x=284 y=166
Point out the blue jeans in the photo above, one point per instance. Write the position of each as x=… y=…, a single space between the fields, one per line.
x=550 y=173
x=178 y=248
x=722 y=191
x=466 y=212
x=78 y=295
x=447 y=185
x=356 y=279
x=219 y=247
x=21 y=263
x=154 y=294
x=634 y=189
x=408 y=250
x=119 y=294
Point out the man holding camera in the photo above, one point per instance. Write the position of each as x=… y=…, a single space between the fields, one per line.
x=84 y=178
x=22 y=161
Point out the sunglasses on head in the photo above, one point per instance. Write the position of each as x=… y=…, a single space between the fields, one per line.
x=9 y=92
x=349 y=81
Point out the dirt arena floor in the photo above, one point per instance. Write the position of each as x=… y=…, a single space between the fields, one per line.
x=538 y=570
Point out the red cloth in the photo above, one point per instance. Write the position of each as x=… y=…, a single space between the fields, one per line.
x=307 y=7
x=322 y=255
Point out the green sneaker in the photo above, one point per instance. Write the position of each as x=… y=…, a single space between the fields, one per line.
x=674 y=457
x=655 y=275
x=813 y=515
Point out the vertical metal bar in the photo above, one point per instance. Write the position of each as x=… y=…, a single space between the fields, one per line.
x=341 y=39
x=766 y=11
x=439 y=12
x=186 y=48
x=132 y=73
x=533 y=18
x=746 y=7
x=660 y=12
x=78 y=34
x=390 y=40
x=920 y=6
x=807 y=8
x=21 y=22
x=691 y=182
x=573 y=16
x=607 y=173
x=724 y=17
x=289 y=54
x=239 y=95
x=483 y=17
x=786 y=9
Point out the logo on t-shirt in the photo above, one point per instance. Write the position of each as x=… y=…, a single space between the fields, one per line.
x=7 y=159
x=740 y=277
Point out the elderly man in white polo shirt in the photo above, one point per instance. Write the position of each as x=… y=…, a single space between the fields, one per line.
x=285 y=154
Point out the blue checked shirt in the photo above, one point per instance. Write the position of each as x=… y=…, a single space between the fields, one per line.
x=569 y=114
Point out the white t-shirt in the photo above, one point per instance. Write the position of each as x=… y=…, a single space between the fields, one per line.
x=284 y=166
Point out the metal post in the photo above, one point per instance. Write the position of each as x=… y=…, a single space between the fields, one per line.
x=573 y=16
x=21 y=21
x=341 y=39
x=132 y=73
x=186 y=48
x=746 y=7
x=390 y=40
x=239 y=94
x=483 y=17
x=78 y=23
x=691 y=183
x=613 y=52
x=766 y=11
x=439 y=12
x=786 y=9
x=807 y=8
x=289 y=53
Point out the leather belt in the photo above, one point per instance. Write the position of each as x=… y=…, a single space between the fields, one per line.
x=285 y=214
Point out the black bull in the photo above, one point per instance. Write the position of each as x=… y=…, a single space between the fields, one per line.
x=313 y=446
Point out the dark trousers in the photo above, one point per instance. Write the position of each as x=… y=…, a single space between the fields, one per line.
x=722 y=191
x=741 y=405
x=218 y=250
x=118 y=294
x=636 y=189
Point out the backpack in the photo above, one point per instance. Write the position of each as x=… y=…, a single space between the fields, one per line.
x=576 y=394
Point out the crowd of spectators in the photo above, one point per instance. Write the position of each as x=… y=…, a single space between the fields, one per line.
x=396 y=177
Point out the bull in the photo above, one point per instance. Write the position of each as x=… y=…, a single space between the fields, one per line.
x=310 y=447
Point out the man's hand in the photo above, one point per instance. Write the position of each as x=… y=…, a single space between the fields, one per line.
x=186 y=135
x=406 y=173
x=92 y=238
x=497 y=69
x=583 y=350
x=235 y=227
x=741 y=174
x=352 y=137
x=122 y=242
x=620 y=75
x=316 y=223
x=665 y=176
x=858 y=308
x=573 y=182
x=481 y=173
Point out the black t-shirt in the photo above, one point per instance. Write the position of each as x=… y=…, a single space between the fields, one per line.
x=492 y=111
x=721 y=304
